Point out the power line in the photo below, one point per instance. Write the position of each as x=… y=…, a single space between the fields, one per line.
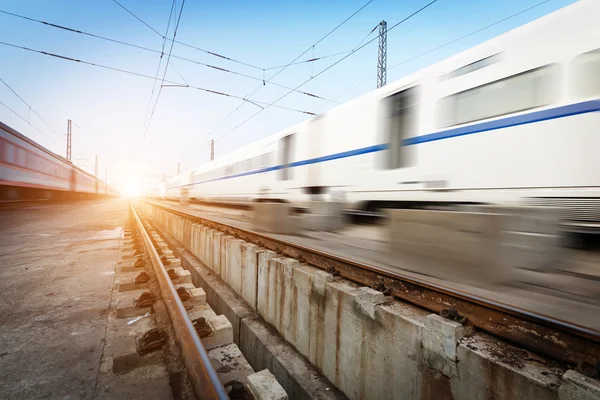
x=323 y=38
x=164 y=73
x=138 y=18
x=331 y=66
x=161 y=52
x=178 y=84
x=158 y=67
x=287 y=65
x=187 y=44
x=29 y=123
x=327 y=56
x=92 y=137
x=31 y=108
x=81 y=61
x=309 y=60
x=447 y=44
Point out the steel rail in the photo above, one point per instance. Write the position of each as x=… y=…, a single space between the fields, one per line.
x=557 y=339
x=203 y=377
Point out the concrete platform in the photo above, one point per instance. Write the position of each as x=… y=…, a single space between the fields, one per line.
x=57 y=265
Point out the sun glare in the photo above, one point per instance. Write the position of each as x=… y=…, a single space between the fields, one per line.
x=131 y=188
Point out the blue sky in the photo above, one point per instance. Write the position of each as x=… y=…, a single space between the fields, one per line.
x=111 y=106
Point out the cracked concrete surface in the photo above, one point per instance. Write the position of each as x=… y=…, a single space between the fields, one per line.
x=56 y=272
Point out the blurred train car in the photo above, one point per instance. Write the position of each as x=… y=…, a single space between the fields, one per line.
x=28 y=170
x=511 y=121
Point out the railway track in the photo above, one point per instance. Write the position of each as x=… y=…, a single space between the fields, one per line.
x=559 y=340
x=203 y=377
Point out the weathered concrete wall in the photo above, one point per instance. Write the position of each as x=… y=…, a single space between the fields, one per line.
x=368 y=345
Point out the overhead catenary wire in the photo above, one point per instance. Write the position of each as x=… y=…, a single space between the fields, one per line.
x=29 y=106
x=161 y=52
x=282 y=68
x=136 y=74
x=187 y=44
x=27 y=122
x=446 y=44
x=326 y=56
x=329 y=67
x=92 y=137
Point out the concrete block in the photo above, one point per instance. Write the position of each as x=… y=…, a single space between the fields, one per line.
x=126 y=281
x=223 y=255
x=441 y=335
x=439 y=341
x=368 y=299
x=230 y=364
x=575 y=386
x=197 y=296
x=488 y=369
x=125 y=304
x=232 y=274
x=216 y=253
x=208 y=247
x=202 y=244
x=128 y=266
x=249 y=273
x=264 y=386
x=222 y=332
x=275 y=279
x=274 y=218
x=173 y=262
x=203 y=311
x=123 y=344
x=182 y=276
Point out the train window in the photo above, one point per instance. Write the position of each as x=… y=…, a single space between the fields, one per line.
x=285 y=154
x=21 y=158
x=474 y=66
x=228 y=170
x=8 y=153
x=531 y=89
x=402 y=108
x=586 y=74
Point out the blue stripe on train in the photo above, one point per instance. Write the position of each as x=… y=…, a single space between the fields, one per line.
x=529 y=118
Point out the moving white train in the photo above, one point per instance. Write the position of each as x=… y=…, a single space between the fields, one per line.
x=511 y=121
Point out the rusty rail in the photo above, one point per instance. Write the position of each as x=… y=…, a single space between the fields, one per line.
x=203 y=376
x=560 y=340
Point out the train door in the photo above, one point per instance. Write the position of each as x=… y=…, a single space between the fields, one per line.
x=400 y=124
x=314 y=146
x=286 y=175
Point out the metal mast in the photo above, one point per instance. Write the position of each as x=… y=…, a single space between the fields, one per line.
x=69 y=141
x=382 y=57
x=212 y=149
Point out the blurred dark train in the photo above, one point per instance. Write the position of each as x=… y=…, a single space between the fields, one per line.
x=30 y=171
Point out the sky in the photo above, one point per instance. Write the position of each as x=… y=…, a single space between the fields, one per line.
x=112 y=110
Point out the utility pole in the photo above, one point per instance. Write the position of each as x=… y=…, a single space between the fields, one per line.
x=382 y=57
x=96 y=167
x=178 y=167
x=212 y=149
x=106 y=175
x=69 y=141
